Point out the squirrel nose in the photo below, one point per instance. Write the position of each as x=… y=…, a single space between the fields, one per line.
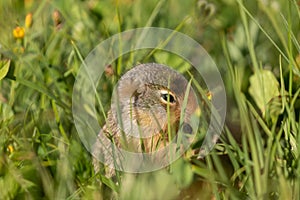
x=186 y=128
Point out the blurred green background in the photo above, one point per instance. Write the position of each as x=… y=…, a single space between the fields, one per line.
x=255 y=44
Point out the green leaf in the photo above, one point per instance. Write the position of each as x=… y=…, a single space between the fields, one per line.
x=4 y=67
x=263 y=87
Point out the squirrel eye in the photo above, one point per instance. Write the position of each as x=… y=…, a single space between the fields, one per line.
x=167 y=97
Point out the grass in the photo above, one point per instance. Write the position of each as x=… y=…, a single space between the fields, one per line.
x=255 y=45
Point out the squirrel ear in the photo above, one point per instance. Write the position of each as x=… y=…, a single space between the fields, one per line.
x=141 y=89
x=127 y=88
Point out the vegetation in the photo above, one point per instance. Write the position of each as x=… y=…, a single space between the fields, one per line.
x=255 y=44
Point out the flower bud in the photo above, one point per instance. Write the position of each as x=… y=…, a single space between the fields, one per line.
x=28 y=20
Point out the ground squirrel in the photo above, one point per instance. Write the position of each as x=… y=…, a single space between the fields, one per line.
x=147 y=100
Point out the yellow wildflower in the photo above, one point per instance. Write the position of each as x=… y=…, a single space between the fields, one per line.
x=10 y=148
x=19 y=32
